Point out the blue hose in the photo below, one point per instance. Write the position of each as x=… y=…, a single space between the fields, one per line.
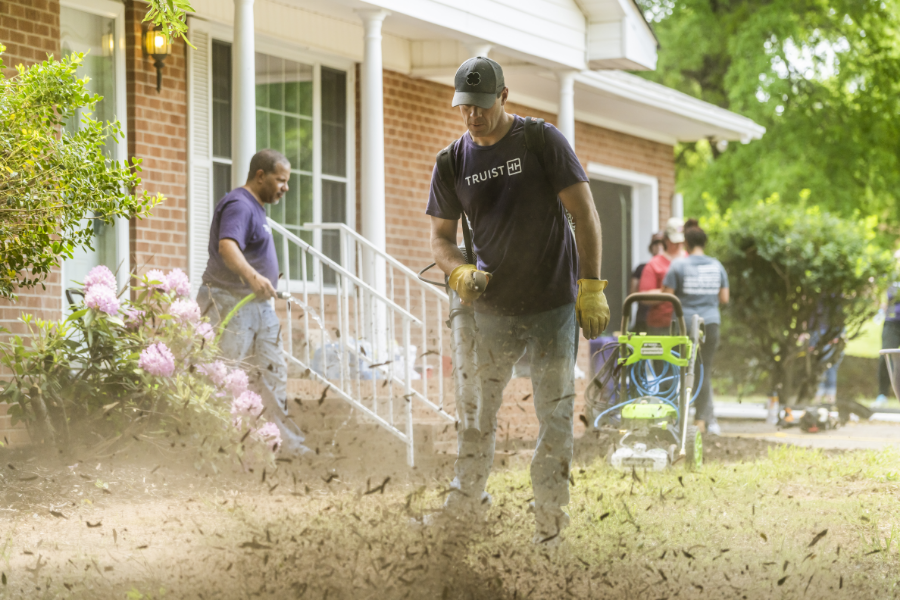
x=664 y=386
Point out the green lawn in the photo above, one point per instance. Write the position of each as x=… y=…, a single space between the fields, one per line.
x=868 y=344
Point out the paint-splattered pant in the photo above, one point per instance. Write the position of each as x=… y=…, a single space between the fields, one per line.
x=253 y=337
x=551 y=339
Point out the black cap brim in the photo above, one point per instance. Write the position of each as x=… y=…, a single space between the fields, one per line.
x=481 y=100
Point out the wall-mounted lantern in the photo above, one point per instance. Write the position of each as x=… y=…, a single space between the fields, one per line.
x=157 y=45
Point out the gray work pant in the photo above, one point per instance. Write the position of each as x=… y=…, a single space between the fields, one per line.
x=253 y=337
x=551 y=339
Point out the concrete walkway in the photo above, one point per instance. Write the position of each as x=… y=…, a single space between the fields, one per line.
x=852 y=436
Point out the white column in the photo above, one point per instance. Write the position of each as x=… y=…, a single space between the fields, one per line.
x=243 y=92
x=478 y=49
x=372 y=117
x=565 y=119
x=372 y=176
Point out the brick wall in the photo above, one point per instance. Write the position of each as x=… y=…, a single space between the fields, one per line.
x=157 y=133
x=30 y=30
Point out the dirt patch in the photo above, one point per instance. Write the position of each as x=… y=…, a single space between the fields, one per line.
x=153 y=527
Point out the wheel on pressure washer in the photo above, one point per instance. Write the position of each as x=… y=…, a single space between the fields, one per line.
x=693 y=449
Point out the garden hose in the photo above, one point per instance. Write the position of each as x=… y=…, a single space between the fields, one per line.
x=644 y=381
x=248 y=298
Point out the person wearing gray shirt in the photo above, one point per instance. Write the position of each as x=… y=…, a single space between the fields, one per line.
x=701 y=283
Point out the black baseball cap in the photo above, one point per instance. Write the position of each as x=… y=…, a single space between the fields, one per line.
x=479 y=82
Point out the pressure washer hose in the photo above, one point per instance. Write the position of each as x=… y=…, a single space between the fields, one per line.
x=646 y=382
x=244 y=301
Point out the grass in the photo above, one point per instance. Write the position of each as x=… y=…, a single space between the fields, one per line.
x=796 y=523
x=868 y=344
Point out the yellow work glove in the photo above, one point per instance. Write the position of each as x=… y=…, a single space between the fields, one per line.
x=591 y=309
x=468 y=282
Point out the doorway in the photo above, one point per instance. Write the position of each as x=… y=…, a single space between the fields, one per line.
x=613 y=202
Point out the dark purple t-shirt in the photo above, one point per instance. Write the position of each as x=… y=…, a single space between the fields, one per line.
x=519 y=226
x=239 y=217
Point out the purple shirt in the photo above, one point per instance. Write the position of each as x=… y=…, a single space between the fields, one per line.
x=239 y=217
x=519 y=227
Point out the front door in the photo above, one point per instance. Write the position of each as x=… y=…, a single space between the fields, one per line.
x=613 y=202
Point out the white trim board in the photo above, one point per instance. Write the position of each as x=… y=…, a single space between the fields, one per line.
x=644 y=204
x=590 y=119
x=116 y=11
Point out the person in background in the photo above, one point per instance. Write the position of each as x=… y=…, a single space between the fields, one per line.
x=659 y=314
x=656 y=246
x=701 y=283
x=827 y=391
x=890 y=337
x=242 y=261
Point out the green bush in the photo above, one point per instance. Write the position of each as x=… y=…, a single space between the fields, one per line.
x=802 y=282
x=53 y=182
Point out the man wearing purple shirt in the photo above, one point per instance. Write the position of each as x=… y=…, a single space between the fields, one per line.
x=542 y=280
x=242 y=261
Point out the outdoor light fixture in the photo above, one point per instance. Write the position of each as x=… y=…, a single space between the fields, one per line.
x=108 y=44
x=157 y=45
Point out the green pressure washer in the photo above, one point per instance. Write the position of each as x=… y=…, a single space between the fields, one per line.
x=644 y=391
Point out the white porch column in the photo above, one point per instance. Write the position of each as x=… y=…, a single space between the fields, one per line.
x=243 y=92
x=566 y=117
x=372 y=118
x=372 y=177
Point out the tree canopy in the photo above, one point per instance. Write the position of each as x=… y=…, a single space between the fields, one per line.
x=823 y=76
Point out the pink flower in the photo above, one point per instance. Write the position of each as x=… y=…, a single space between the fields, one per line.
x=216 y=371
x=100 y=276
x=237 y=382
x=101 y=298
x=249 y=403
x=205 y=330
x=134 y=318
x=270 y=435
x=178 y=282
x=157 y=360
x=154 y=278
x=185 y=311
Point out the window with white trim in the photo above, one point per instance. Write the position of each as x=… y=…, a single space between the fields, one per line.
x=94 y=35
x=311 y=134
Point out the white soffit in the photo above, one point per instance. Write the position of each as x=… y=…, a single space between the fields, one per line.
x=618 y=36
x=630 y=104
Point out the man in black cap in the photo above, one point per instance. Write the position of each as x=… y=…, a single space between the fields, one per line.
x=515 y=179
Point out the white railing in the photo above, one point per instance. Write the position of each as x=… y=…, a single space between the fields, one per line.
x=361 y=360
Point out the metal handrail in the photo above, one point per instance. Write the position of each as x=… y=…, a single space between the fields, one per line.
x=387 y=257
x=341 y=270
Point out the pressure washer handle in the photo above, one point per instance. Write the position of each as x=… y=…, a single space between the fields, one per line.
x=654 y=297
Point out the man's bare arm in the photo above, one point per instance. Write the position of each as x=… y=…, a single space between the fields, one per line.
x=236 y=262
x=444 y=246
x=588 y=238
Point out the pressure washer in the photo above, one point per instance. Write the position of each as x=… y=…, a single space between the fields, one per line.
x=643 y=392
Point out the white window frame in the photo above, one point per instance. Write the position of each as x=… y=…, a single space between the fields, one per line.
x=116 y=11
x=281 y=49
x=644 y=204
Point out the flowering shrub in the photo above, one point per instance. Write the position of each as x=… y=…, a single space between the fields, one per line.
x=119 y=367
x=158 y=360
